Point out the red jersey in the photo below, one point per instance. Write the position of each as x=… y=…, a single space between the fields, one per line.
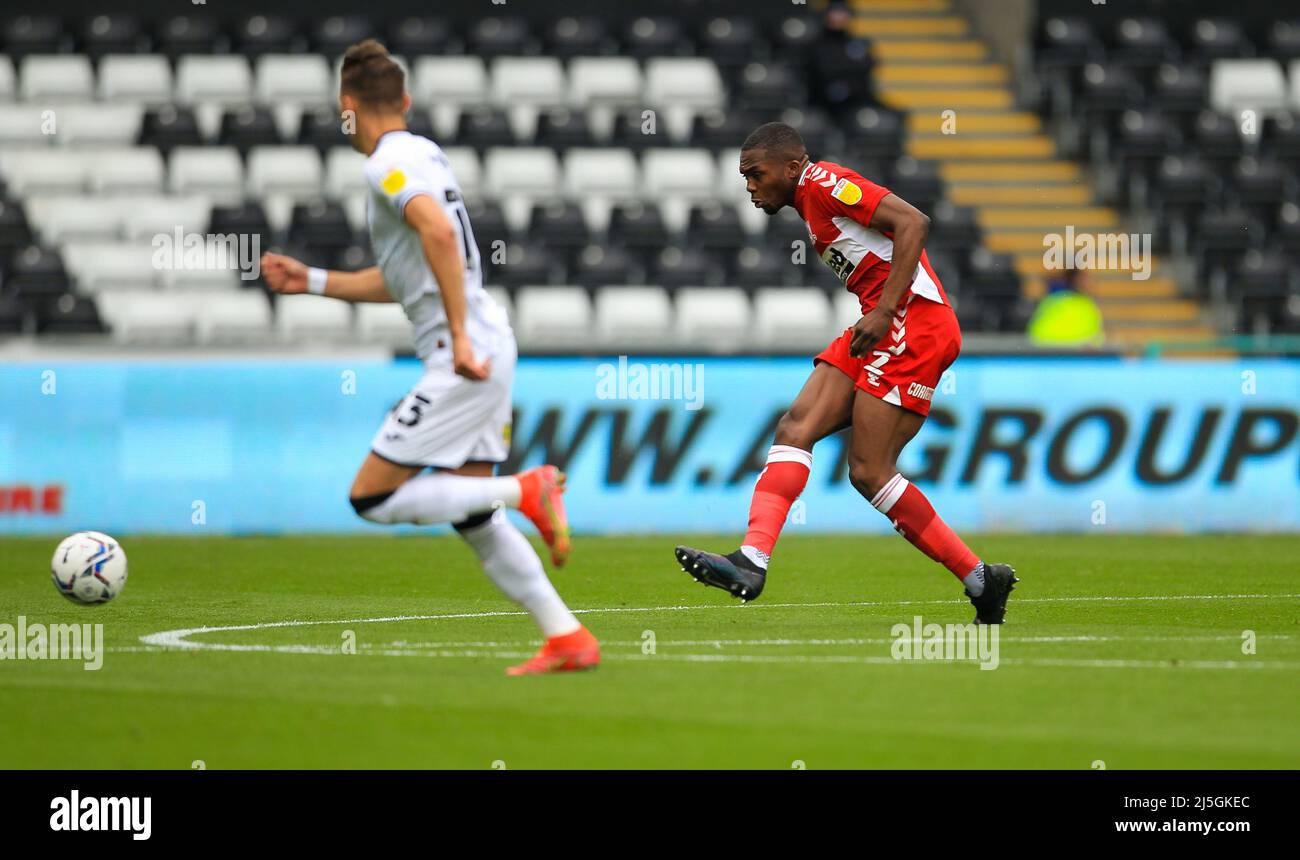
x=837 y=204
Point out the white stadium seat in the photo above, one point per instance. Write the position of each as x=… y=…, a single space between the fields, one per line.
x=634 y=316
x=220 y=78
x=302 y=79
x=605 y=173
x=311 y=318
x=27 y=126
x=468 y=169
x=56 y=76
x=98 y=124
x=148 y=316
x=692 y=81
x=101 y=266
x=527 y=80
x=605 y=80
x=33 y=171
x=1294 y=72
x=552 y=317
x=232 y=317
x=531 y=172
x=213 y=170
x=846 y=310
x=294 y=170
x=8 y=79
x=684 y=173
x=134 y=170
x=717 y=318
x=61 y=217
x=145 y=78
x=1237 y=85
x=791 y=318
x=449 y=80
x=190 y=213
x=344 y=171
x=383 y=323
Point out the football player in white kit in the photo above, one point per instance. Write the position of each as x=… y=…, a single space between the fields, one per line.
x=456 y=421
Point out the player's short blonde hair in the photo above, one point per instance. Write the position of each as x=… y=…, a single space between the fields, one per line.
x=372 y=76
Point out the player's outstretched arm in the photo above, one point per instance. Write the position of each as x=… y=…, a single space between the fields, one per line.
x=287 y=276
x=442 y=251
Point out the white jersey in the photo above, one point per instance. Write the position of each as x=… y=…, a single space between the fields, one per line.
x=403 y=166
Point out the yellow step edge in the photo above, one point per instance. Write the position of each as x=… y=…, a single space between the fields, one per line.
x=1086 y=218
x=957 y=147
x=1027 y=195
x=948 y=98
x=901 y=5
x=951 y=74
x=1145 y=334
x=933 y=123
x=1000 y=171
x=891 y=50
x=872 y=27
x=1151 y=288
x=1172 y=310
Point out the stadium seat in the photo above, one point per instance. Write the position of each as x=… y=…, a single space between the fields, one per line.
x=344 y=171
x=56 y=77
x=1141 y=43
x=420 y=36
x=224 y=80
x=212 y=170
x=637 y=225
x=503 y=36
x=524 y=263
x=484 y=128
x=113 y=34
x=633 y=317
x=34 y=172
x=188 y=213
x=714 y=319
x=553 y=317
x=60 y=217
x=575 y=36
x=537 y=81
x=764 y=266
x=449 y=81
x=595 y=81
x=1237 y=85
x=383 y=324
x=558 y=224
x=606 y=173
x=605 y=264
x=141 y=78
x=309 y=319
x=791 y=318
x=259 y=35
x=8 y=79
x=683 y=173
x=335 y=34
x=468 y=167
x=99 y=124
x=652 y=37
x=292 y=170
x=322 y=128
x=36 y=272
x=98 y=266
x=1212 y=39
x=562 y=129
x=502 y=297
x=26 y=127
x=190 y=34
x=34 y=34
x=528 y=172
x=149 y=317
x=303 y=79
x=675 y=267
x=168 y=127
x=68 y=315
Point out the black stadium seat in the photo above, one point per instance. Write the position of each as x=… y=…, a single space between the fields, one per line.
x=1211 y=39
x=320 y=224
x=647 y=36
x=322 y=128
x=758 y=266
x=507 y=36
x=675 y=267
x=68 y=314
x=585 y=36
x=170 y=126
x=483 y=128
x=561 y=128
x=418 y=36
x=190 y=34
x=247 y=218
x=259 y=35
x=713 y=226
x=598 y=265
x=333 y=35
x=36 y=273
x=248 y=126
x=558 y=224
x=113 y=34
x=637 y=225
x=34 y=34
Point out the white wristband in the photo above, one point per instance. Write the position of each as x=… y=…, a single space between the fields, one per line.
x=316 y=280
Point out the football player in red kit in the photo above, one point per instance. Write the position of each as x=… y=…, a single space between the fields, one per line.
x=878 y=377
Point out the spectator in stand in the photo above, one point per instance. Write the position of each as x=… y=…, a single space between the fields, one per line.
x=841 y=66
x=1066 y=316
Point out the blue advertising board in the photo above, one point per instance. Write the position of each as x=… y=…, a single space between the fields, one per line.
x=655 y=445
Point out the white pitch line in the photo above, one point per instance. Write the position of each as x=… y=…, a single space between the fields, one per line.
x=178 y=638
x=718 y=643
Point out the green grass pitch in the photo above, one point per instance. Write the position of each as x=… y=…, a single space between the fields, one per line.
x=1126 y=650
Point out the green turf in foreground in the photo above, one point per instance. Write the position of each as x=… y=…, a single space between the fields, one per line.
x=797 y=675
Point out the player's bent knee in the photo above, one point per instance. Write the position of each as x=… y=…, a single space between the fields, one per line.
x=868 y=479
x=365 y=506
x=473 y=521
x=792 y=430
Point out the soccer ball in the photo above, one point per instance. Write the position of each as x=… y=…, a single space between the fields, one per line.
x=89 y=567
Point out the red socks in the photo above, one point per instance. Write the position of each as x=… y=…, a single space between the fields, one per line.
x=913 y=517
x=780 y=483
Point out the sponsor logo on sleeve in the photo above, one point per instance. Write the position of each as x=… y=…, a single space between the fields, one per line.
x=846 y=192
x=394 y=182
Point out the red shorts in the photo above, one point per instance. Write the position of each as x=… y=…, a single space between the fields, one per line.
x=905 y=366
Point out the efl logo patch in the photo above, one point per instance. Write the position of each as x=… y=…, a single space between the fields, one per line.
x=846 y=192
x=393 y=182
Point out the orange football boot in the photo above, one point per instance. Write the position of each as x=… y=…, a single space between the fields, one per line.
x=567 y=653
x=541 y=500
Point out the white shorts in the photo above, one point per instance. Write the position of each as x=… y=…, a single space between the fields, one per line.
x=447 y=420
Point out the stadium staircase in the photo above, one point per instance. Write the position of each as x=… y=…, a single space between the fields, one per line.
x=1001 y=162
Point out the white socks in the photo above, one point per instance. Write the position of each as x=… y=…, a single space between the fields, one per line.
x=974 y=581
x=442 y=498
x=510 y=562
x=756 y=555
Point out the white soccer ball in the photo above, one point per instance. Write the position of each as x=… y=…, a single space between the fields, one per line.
x=89 y=567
